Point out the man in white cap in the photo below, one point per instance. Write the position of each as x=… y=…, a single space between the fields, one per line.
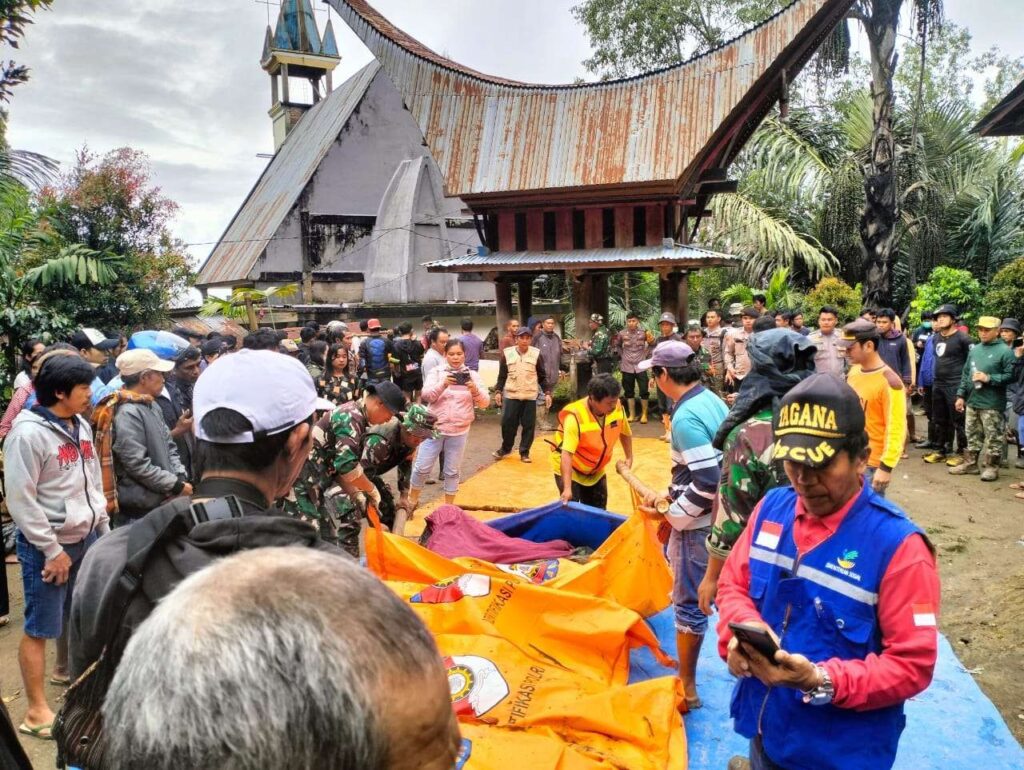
x=253 y=425
x=133 y=441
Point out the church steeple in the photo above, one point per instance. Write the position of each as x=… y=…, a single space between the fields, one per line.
x=295 y=49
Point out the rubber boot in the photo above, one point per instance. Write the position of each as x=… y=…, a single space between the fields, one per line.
x=990 y=470
x=631 y=409
x=667 y=422
x=643 y=411
x=688 y=647
x=968 y=467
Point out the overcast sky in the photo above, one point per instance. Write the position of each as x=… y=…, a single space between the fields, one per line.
x=180 y=79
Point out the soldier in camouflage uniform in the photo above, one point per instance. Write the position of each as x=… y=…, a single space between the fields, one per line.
x=600 y=345
x=393 y=445
x=711 y=376
x=334 y=478
x=780 y=359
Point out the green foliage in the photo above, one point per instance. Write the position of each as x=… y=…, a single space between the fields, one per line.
x=15 y=16
x=108 y=205
x=631 y=36
x=1005 y=295
x=834 y=291
x=237 y=305
x=737 y=292
x=947 y=285
x=706 y=285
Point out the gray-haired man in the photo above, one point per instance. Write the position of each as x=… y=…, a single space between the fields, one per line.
x=281 y=657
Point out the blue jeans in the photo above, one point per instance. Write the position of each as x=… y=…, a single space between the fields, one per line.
x=453 y=448
x=1020 y=430
x=688 y=555
x=47 y=605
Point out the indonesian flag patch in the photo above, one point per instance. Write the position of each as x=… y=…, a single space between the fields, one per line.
x=924 y=615
x=769 y=534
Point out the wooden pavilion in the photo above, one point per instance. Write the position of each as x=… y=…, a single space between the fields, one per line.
x=596 y=178
x=1007 y=117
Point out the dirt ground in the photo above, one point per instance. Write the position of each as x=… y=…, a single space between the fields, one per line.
x=978 y=531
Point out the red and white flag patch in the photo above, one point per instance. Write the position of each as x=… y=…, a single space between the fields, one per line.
x=924 y=615
x=769 y=534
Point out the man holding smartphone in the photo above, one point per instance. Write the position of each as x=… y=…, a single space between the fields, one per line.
x=844 y=583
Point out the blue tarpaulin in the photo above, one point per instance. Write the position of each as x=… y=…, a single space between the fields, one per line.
x=951 y=726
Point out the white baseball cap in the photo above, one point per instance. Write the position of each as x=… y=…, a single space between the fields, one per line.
x=141 y=360
x=272 y=391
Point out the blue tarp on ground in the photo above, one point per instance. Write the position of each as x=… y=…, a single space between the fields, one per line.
x=951 y=726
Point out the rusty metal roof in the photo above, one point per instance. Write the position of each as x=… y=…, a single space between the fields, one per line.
x=491 y=136
x=282 y=181
x=634 y=258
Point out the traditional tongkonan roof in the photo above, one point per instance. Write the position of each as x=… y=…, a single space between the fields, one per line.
x=1007 y=117
x=649 y=136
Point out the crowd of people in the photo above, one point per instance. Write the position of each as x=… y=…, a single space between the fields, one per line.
x=129 y=468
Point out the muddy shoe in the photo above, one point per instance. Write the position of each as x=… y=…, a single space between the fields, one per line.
x=967 y=466
x=954 y=460
x=990 y=471
x=1019 y=463
x=935 y=457
x=738 y=763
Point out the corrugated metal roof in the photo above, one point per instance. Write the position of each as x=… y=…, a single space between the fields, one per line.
x=281 y=183
x=491 y=135
x=652 y=257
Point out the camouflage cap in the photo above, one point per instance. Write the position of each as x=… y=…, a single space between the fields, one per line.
x=419 y=422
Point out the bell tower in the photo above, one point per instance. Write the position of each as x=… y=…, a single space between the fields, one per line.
x=294 y=52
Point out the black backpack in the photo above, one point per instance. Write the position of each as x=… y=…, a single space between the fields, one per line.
x=78 y=728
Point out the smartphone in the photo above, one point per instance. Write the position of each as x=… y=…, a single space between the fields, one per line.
x=461 y=378
x=757 y=638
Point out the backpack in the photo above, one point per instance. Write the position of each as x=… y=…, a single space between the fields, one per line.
x=78 y=728
x=374 y=352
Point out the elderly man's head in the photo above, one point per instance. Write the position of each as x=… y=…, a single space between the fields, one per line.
x=281 y=657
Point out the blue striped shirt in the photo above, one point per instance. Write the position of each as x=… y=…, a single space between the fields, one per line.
x=696 y=464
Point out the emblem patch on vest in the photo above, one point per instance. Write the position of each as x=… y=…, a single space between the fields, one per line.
x=844 y=565
x=924 y=615
x=769 y=534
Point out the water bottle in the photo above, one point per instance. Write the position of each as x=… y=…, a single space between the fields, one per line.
x=974 y=369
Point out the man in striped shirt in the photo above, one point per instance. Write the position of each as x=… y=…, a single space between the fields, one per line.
x=696 y=468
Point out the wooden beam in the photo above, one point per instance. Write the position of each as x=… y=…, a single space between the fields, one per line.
x=535 y=230
x=506 y=231
x=599 y=301
x=525 y=298
x=623 y=227
x=655 y=224
x=582 y=300
x=563 y=230
x=502 y=303
x=593 y=228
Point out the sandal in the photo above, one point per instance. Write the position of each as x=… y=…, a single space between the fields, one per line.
x=1017 y=485
x=42 y=732
x=1019 y=495
x=5 y=620
x=60 y=681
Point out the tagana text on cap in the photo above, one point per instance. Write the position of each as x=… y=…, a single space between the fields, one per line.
x=814 y=420
x=668 y=355
x=272 y=391
x=140 y=360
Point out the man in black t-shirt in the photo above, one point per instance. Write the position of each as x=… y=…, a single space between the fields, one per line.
x=409 y=369
x=951 y=349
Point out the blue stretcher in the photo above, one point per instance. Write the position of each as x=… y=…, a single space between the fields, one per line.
x=950 y=726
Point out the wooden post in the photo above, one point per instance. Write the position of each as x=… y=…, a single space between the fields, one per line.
x=683 y=298
x=250 y=312
x=599 y=304
x=666 y=294
x=525 y=298
x=582 y=302
x=502 y=303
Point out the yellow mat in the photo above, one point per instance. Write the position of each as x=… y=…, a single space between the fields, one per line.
x=510 y=483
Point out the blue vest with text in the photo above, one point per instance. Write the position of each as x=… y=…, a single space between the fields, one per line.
x=830 y=596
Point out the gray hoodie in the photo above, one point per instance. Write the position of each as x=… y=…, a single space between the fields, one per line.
x=54 y=486
x=146 y=461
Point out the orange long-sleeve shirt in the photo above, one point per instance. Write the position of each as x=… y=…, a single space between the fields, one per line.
x=884 y=400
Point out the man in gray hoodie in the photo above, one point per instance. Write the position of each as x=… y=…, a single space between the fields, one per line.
x=146 y=462
x=549 y=344
x=55 y=496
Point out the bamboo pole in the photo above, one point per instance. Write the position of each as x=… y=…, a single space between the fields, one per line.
x=642 y=490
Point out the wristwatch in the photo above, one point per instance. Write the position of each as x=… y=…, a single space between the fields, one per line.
x=823 y=694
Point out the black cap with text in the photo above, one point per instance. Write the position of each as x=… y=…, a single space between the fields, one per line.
x=814 y=420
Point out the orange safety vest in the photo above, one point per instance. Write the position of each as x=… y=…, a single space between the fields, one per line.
x=597 y=441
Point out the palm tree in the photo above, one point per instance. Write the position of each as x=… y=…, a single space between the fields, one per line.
x=242 y=303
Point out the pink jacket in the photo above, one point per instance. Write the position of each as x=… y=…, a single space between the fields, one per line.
x=452 y=405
